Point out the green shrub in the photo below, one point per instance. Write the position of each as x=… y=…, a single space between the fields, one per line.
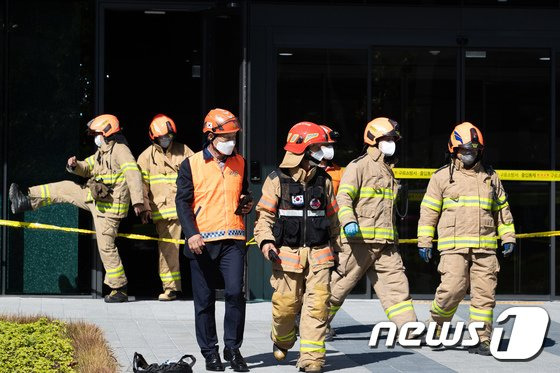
x=40 y=346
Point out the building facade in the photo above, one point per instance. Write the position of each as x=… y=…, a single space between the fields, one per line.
x=427 y=64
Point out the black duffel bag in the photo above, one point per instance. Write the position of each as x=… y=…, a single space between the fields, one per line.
x=140 y=365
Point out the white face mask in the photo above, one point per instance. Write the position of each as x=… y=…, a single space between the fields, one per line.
x=99 y=140
x=328 y=152
x=318 y=155
x=387 y=147
x=226 y=147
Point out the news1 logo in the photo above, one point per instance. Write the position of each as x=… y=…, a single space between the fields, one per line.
x=526 y=340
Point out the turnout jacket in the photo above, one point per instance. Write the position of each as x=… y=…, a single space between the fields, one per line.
x=292 y=259
x=468 y=207
x=366 y=196
x=159 y=172
x=115 y=166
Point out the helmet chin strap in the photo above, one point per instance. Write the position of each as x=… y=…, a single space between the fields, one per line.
x=312 y=161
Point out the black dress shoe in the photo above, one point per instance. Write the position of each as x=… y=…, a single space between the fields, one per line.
x=214 y=363
x=235 y=359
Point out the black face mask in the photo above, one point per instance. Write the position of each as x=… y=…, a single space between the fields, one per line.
x=469 y=159
x=165 y=141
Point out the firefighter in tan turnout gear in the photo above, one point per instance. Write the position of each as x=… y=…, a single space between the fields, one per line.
x=160 y=164
x=468 y=204
x=113 y=182
x=368 y=237
x=296 y=218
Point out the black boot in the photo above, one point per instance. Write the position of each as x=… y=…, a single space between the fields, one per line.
x=483 y=348
x=214 y=363
x=236 y=360
x=19 y=201
x=117 y=295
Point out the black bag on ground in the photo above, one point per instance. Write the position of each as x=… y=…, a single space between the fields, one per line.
x=139 y=364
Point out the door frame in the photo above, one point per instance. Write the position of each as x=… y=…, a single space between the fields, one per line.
x=102 y=6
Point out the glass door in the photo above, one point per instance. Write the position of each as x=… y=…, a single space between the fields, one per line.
x=417 y=87
x=428 y=90
x=507 y=94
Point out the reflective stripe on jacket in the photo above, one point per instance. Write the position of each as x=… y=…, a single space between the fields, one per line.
x=159 y=173
x=468 y=212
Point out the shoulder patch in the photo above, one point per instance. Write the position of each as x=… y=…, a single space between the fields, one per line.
x=273 y=175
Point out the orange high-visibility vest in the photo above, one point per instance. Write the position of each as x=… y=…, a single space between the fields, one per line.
x=216 y=197
x=335 y=171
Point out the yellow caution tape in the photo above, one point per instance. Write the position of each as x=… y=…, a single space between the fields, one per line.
x=22 y=224
x=132 y=236
x=508 y=175
x=517 y=235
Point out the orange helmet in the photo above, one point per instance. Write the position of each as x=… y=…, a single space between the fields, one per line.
x=332 y=135
x=381 y=127
x=465 y=135
x=161 y=125
x=106 y=124
x=302 y=135
x=220 y=121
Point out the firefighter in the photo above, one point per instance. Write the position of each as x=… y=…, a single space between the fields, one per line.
x=159 y=165
x=368 y=238
x=211 y=188
x=334 y=170
x=296 y=218
x=114 y=181
x=467 y=203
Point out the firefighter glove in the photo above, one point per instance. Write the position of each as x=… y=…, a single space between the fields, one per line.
x=508 y=249
x=425 y=253
x=351 y=229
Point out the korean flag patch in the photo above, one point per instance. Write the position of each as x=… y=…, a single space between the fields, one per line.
x=297 y=200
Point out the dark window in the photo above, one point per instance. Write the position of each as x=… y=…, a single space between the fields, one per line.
x=50 y=85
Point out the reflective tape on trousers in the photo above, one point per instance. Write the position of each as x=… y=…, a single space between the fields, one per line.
x=508 y=175
x=132 y=236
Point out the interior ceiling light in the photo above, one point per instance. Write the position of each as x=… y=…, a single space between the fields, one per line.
x=158 y=12
x=285 y=54
x=544 y=58
x=475 y=54
x=435 y=53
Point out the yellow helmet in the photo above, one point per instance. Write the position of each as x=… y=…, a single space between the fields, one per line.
x=381 y=127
